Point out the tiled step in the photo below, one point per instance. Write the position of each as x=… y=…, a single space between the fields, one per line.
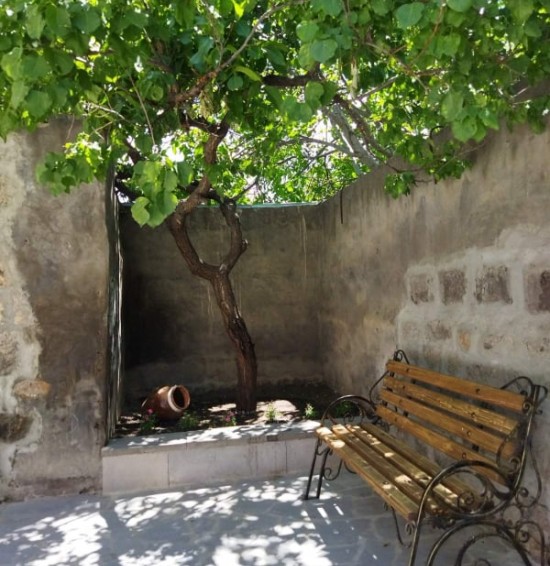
x=199 y=458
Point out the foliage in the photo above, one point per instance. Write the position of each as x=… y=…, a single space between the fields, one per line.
x=230 y=419
x=148 y=423
x=310 y=412
x=271 y=414
x=189 y=421
x=310 y=94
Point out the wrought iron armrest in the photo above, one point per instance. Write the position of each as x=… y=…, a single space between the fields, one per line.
x=349 y=408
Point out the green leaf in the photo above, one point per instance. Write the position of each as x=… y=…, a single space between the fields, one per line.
x=63 y=61
x=314 y=91
x=275 y=56
x=381 y=7
x=521 y=9
x=205 y=45
x=11 y=63
x=185 y=173
x=87 y=20
x=489 y=118
x=19 y=91
x=409 y=15
x=38 y=103
x=330 y=90
x=35 y=66
x=452 y=105
x=464 y=130
x=34 y=22
x=235 y=82
x=239 y=8
x=307 y=31
x=168 y=203
x=296 y=111
x=323 y=49
x=139 y=210
x=447 y=45
x=58 y=20
x=248 y=72
x=305 y=57
x=461 y=5
x=329 y=7
x=170 y=181
x=184 y=12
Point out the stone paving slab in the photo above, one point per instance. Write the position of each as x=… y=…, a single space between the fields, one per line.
x=251 y=523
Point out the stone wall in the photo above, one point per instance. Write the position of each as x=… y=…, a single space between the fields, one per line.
x=456 y=274
x=173 y=330
x=53 y=331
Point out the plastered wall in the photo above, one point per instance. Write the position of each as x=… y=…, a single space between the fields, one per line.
x=53 y=331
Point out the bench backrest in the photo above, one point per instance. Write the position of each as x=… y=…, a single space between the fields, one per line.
x=458 y=417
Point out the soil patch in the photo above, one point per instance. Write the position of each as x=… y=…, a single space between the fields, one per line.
x=284 y=403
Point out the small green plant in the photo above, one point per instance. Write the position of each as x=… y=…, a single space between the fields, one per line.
x=189 y=421
x=345 y=409
x=230 y=419
x=148 y=423
x=310 y=412
x=271 y=413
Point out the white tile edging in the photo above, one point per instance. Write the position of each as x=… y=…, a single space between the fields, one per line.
x=199 y=458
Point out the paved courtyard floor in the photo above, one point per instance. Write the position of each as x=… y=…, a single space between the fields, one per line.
x=252 y=523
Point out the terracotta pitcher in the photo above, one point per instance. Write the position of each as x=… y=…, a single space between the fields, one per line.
x=167 y=402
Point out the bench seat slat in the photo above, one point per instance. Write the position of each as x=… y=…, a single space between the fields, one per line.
x=402 y=504
x=366 y=443
x=438 y=441
x=479 y=415
x=468 y=431
x=485 y=393
x=411 y=455
x=394 y=474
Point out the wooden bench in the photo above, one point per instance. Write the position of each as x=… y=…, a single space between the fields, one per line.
x=439 y=449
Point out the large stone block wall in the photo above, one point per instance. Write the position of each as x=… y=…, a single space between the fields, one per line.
x=456 y=274
x=53 y=331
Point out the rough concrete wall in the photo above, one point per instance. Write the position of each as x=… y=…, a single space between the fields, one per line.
x=53 y=339
x=173 y=330
x=457 y=274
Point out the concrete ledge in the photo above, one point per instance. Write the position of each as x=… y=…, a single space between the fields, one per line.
x=199 y=458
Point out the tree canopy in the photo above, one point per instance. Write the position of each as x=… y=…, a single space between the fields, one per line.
x=296 y=98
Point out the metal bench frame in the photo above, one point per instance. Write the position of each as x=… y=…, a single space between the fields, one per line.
x=481 y=485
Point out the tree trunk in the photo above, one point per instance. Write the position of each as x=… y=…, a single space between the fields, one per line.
x=247 y=369
x=218 y=277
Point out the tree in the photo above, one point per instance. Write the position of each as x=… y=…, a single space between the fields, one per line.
x=222 y=102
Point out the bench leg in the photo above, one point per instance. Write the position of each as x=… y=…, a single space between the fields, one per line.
x=323 y=453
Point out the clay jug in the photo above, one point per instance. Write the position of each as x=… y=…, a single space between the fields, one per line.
x=167 y=402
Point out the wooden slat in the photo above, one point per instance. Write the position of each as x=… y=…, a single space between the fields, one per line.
x=498 y=397
x=393 y=496
x=395 y=475
x=465 y=430
x=440 y=442
x=479 y=415
x=411 y=455
x=366 y=443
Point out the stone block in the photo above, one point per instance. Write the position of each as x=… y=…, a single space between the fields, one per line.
x=453 y=285
x=439 y=331
x=31 y=389
x=537 y=290
x=421 y=288
x=14 y=427
x=493 y=285
x=8 y=353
